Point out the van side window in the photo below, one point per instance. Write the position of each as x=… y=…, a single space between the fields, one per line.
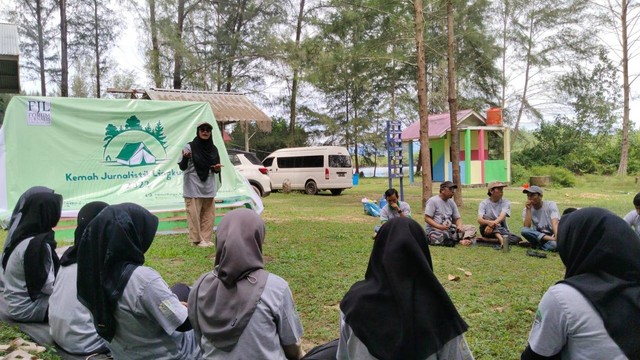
x=315 y=161
x=339 y=161
x=267 y=162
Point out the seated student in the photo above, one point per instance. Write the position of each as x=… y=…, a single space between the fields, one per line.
x=132 y=308
x=594 y=313
x=633 y=217
x=70 y=322
x=239 y=310
x=492 y=216
x=540 y=220
x=29 y=260
x=394 y=207
x=441 y=213
x=400 y=310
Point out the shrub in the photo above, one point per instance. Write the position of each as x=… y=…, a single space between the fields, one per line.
x=519 y=174
x=559 y=176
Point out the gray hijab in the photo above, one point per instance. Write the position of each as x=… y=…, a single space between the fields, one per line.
x=222 y=301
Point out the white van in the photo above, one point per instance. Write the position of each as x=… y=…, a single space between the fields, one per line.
x=311 y=169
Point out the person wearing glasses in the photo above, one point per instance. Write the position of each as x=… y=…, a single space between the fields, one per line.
x=200 y=162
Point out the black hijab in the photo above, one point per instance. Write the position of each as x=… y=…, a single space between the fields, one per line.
x=111 y=248
x=85 y=215
x=400 y=310
x=39 y=213
x=602 y=256
x=204 y=154
x=17 y=210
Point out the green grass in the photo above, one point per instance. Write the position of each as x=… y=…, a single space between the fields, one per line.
x=321 y=245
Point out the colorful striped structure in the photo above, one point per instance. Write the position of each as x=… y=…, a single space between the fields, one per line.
x=485 y=152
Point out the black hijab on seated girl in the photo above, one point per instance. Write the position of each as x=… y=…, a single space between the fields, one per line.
x=602 y=256
x=400 y=310
x=204 y=154
x=39 y=213
x=111 y=248
x=223 y=300
x=85 y=215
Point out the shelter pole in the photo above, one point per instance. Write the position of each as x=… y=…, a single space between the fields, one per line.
x=467 y=156
x=481 y=154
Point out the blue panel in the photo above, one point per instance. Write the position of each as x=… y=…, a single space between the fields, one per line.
x=438 y=170
x=462 y=172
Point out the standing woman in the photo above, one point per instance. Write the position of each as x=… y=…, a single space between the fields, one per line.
x=199 y=162
x=400 y=310
x=132 y=307
x=594 y=313
x=29 y=260
x=239 y=310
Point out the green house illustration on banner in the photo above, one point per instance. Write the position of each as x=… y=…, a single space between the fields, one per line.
x=135 y=154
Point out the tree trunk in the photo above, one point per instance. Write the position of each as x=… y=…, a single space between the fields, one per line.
x=526 y=82
x=64 y=65
x=155 y=47
x=624 y=151
x=234 y=44
x=43 y=81
x=453 y=107
x=177 y=55
x=97 y=47
x=294 y=81
x=422 y=103
x=505 y=19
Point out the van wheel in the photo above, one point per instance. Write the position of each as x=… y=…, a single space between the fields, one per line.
x=311 y=188
x=336 y=191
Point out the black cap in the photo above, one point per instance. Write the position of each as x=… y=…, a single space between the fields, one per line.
x=448 y=184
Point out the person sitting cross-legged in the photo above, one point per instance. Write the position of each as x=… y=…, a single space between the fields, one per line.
x=29 y=260
x=239 y=310
x=70 y=322
x=492 y=216
x=442 y=216
x=540 y=220
x=594 y=312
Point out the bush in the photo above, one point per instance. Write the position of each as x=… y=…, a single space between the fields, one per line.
x=519 y=174
x=559 y=176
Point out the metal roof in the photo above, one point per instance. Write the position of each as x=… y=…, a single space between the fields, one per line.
x=9 y=40
x=227 y=107
x=439 y=124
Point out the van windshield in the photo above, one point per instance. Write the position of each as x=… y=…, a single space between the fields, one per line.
x=339 y=161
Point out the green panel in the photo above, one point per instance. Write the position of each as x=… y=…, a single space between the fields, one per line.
x=437 y=150
x=495 y=170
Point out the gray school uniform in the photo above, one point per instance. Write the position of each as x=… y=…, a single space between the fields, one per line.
x=490 y=210
x=70 y=322
x=274 y=323
x=567 y=323
x=633 y=219
x=147 y=315
x=192 y=186
x=441 y=211
x=387 y=214
x=541 y=218
x=19 y=304
x=350 y=347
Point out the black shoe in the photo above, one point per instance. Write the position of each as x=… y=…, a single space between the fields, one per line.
x=536 y=254
x=497 y=247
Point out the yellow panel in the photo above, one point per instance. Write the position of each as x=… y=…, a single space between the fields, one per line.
x=476 y=172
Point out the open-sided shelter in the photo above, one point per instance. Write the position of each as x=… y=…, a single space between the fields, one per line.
x=485 y=152
x=9 y=59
